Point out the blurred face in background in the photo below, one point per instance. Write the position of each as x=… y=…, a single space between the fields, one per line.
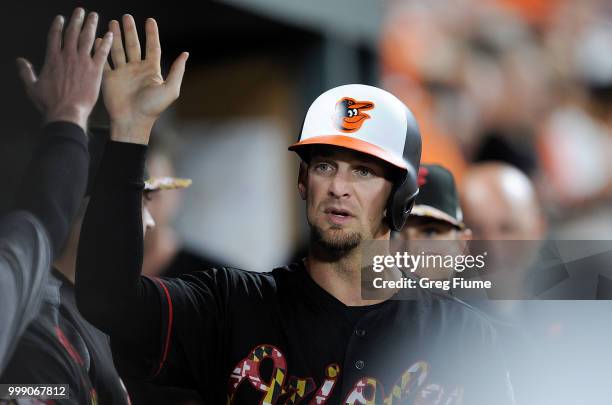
x=500 y=206
x=425 y=228
x=434 y=237
x=163 y=206
x=346 y=194
x=499 y=203
x=147 y=219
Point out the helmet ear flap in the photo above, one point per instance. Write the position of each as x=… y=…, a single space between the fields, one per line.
x=402 y=199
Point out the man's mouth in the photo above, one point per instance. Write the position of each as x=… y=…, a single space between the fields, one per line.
x=338 y=215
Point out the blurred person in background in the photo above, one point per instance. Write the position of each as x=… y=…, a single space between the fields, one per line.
x=165 y=254
x=501 y=208
x=60 y=346
x=435 y=224
x=65 y=92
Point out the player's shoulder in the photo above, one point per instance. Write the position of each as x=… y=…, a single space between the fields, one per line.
x=238 y=281
x=461 y=316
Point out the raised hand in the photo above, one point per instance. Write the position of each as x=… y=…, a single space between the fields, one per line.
x=69 y=82
x=134 y=91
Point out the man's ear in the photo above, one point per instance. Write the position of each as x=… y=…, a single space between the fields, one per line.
x=303 y=180
x=466 y=234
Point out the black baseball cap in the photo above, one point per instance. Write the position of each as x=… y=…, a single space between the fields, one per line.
x=438 y=198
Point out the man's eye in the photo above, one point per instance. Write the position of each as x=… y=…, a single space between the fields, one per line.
x=323 y=167
x=430 y=232
x=364 y=171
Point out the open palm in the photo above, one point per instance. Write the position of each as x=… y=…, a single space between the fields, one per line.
x=134 y=91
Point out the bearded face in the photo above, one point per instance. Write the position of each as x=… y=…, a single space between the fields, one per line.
x=346 y=194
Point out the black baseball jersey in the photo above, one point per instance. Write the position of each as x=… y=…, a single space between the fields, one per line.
x=61 y=347
x=279 y=338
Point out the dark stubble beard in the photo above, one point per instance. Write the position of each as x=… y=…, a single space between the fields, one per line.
x=332 y=248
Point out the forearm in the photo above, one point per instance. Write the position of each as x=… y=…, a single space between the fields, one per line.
x=109 y=290
x=55 y=179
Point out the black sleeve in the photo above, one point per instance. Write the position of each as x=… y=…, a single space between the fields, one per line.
x=55 y=179
x=193 y=329
x=160 y=329
x=110 y=292
x=24 y=264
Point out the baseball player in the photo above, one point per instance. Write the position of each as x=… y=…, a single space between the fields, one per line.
x=435 y=223
x=301 y=333
x=60 y=346
x=65 y=93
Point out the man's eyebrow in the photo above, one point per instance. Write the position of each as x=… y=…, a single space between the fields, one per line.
x=318 y=158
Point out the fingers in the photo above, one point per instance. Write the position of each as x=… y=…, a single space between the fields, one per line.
x=97 y=44
x=132 y=46
x=175 y=77
x=26 y=72
x=54 y=38
x=74 y=29
x=152 y=39
x=103 y=46
x=117 y=52
x=86 y=39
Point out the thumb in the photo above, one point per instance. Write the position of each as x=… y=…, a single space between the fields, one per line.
x=175 y=77
x=26 y=73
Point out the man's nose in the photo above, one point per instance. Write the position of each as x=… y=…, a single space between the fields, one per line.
x=340 y=185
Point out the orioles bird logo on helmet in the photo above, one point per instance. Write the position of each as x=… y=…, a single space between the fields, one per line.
x=349 y=116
